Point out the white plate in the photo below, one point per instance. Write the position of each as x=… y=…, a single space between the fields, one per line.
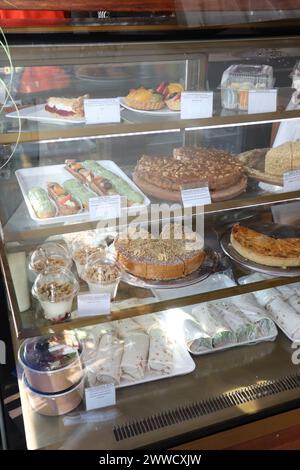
x=182 y=364
x=157 y=112
x=38 y=113
x=182 y=361
x=39 y=176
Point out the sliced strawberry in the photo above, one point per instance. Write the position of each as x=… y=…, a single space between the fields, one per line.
x=162 y=88
x=65 y=199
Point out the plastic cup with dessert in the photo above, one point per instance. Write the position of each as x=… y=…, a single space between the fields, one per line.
x=50 y=256
x=83 y=248
x=55 y=292
x=102 y=274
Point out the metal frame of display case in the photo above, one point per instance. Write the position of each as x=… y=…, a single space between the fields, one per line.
x=124 y=53
x=138 y=401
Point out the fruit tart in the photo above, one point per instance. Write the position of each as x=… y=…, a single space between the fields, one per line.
x=173 y=98
x=144 y=99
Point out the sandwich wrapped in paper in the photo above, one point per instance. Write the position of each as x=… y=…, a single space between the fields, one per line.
x=286 y=317
x=237 y=322
x=146 y=322
x=265 y=327
x=160 y=352
x=134 y=360
x=124 y=327
x=106 y=366
x=196 y=340
x=291 y=295
x=210 y=323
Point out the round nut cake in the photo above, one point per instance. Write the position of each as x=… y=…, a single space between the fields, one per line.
x=158 y=258
x=164 y=177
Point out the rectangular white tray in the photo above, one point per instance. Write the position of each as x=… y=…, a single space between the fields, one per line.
x=182 y=364
x=38 y=113
x=39 y=176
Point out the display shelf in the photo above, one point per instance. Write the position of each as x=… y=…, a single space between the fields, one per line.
x=235 y=386
x=31 y=322
x=136 y=128
x=20 y=227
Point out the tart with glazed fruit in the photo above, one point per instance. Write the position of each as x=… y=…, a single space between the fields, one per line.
x=173 y=98
x=144 y=99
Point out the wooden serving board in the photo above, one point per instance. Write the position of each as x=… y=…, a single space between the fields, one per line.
x=254 y=164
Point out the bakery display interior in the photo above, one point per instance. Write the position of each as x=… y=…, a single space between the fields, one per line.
x=140 y=252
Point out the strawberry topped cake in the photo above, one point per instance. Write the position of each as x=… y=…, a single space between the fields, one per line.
x=66 y=107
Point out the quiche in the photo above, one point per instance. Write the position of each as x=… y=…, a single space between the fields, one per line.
x=159 y=258
x=266 y=250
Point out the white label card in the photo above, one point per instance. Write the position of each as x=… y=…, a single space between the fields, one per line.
x=93 y=304
x=100 y=396
x=100 y=111
x=105 y=207
x=262 y=101
x=196 y=104
x=195 y=197
x=291 y=180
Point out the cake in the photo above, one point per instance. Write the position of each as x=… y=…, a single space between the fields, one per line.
x=283 y=158
x=158 y=258
x=263 y=249
x=164 y=176
x=66 y=107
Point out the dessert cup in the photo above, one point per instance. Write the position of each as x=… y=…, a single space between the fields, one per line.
x=102 y=275
x=51 y=257
x=55 y=292
x=83 y=248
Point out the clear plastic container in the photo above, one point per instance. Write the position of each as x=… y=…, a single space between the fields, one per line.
x=102 y=275
x=52 y=363
x=83 y=247
x=238 y=79
x=55 y=292
x=295 y=75
x=51 y=257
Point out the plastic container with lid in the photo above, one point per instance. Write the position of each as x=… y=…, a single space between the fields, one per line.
x=238 y=79
x=50 y=256
x=85 y=246
x=55 y=292
x=102 y=275
x=51 y=363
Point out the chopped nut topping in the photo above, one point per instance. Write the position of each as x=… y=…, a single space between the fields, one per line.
x=55 y=291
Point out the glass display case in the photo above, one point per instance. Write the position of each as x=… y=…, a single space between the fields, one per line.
x=149 y=240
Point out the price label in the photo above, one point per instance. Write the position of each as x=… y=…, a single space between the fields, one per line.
x=93 y=304
x=100 y=396
x=195 y=197
x=105 y=207
x=291 y=180
x=100 y=111
x=262 y=101
x=196 y=104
